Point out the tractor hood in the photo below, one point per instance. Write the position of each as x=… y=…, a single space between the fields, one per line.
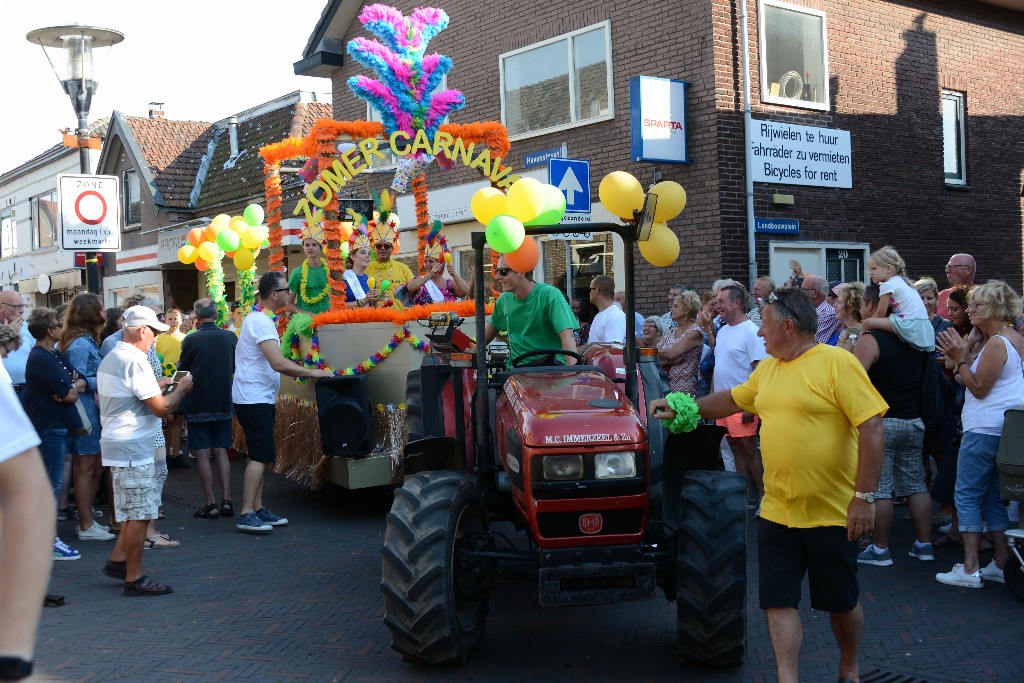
x=572 y=408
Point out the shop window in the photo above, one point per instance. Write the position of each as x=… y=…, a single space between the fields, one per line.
x=794 y=56
x=8 y=233
x=558 y=84
x=132 y=196
x=45 y=220
x=954 y=144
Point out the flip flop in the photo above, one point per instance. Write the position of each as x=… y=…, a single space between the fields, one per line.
x=159 y=541
x=947 y=541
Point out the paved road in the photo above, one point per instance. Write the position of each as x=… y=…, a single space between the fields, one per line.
x=303 y=604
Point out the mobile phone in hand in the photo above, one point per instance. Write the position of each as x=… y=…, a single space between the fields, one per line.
x=178 y=376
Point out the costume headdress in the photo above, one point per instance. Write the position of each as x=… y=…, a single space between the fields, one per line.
x=436 y=245
x=359 y=238
x=384 y=226
x=315 y=232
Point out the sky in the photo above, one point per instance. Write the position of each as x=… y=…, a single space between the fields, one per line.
x=204 y=59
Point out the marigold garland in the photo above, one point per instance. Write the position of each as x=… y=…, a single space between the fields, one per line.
x=465 y=309
x=419 y=192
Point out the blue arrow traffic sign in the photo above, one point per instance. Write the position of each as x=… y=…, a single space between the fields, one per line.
x=572 y=177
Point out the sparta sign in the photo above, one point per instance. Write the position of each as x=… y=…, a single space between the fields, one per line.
x=657 y=112
x=90 y=212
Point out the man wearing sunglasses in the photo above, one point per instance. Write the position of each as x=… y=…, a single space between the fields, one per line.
x=535 y=315
x=383 y=268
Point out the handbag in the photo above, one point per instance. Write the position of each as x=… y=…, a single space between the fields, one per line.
x=86 y=428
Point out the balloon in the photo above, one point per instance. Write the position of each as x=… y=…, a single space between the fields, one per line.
x=253 y=214
x=265 y=243
x=621 y=194
x=384 y=285
x=244 y=260
x=195 y=236
x=526 y=199
x=202 y=265
x=229 y=254
x=238 y=225
x=212 y=230
x=346 y=230
x=505 y=234
x=525 y=258
x=221 y=220
x=662 y=249
x=671 y=200
x=370 y=282
x=488 y=202
x=207 y=251
x=260 y=231
x=448 y=257
x=554 y=207
x=250 y=241
x=187 y=254
x=228 y=240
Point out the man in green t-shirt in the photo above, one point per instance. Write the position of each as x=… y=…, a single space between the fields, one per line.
x=534 y=315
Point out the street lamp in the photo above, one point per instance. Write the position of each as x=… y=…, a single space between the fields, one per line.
x=70 y=50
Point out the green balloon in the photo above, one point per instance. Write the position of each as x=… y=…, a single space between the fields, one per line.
x=228 y=240
x=264 y=244
x=253 y=214
x=505 y=234
x=384 y=285
x=554 y=208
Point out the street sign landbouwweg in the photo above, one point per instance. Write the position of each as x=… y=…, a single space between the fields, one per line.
x=90 y=212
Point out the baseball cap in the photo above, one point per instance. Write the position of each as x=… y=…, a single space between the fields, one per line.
x=833 y=287
x=139 y=316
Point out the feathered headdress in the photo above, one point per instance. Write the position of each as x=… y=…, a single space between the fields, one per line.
x=315 y=232
x=359 y=239
x=437 y=244
x=384 y=226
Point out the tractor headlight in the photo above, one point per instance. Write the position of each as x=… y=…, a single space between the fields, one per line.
x=620 y=465
x=562 y=467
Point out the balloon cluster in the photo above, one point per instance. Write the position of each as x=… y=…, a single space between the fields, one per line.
x=528 y=203
x=623 y=196
x=239 y=237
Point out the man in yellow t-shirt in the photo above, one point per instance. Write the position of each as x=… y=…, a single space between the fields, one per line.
x=384 y=237
x=821 y=442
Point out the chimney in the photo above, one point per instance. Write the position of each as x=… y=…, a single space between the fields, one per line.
x=233 y=135
x=156 y=110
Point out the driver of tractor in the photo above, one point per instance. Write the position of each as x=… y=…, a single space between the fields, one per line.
x=534 y=314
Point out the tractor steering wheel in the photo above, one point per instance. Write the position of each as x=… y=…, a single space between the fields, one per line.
x=549 y=354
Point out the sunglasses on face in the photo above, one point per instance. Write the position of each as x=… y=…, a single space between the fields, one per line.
x=502 y=271
x=384 y=247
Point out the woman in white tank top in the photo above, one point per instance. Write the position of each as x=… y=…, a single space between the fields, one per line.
x=995 y=382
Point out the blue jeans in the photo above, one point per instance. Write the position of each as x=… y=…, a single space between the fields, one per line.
x=977 y=485
x=54 y=448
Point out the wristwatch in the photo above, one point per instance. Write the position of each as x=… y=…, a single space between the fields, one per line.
x=868 y=498
x=14 y=668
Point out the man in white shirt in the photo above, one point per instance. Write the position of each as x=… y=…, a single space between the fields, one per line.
x=609 y=324
x=638 y=320
x=738 y=350
x=131 y=406
x=12 y=314
x=258 y=369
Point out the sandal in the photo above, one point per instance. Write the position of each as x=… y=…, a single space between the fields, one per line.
x=947 y=541
x=114 y=528
x=145 y=586
x=225 y=509
x=159 y=541
x=53 y=601
x=207 y=512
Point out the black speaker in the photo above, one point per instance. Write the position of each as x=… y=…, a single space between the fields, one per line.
x=343 y=407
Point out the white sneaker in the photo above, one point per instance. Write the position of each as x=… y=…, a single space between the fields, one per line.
x=958 y=577
x=95 y=533
x=992 y=573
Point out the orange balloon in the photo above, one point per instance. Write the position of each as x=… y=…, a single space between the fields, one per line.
x=346 y=230
x=202 y=265
x=195 y=236
x=211 y=232
x=525 y=258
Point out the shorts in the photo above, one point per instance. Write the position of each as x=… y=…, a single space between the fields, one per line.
x=257 y=422
x=902 y=464
x=785 y=554
x=737 y=427
x=205 y=435
x=90 y=443
x=136 y=497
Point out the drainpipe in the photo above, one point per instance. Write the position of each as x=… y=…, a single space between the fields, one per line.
x=233 y=135
x=748 y=163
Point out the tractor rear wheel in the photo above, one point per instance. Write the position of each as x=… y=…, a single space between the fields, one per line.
x=711 y=568
x=435 y=600
x=414 y=406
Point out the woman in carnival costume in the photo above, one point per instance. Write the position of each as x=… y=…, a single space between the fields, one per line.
x=432 y=287
x=311 y=291
x=358 y=289
x=382 y=230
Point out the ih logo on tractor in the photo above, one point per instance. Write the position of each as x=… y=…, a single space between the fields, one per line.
x=591 y=523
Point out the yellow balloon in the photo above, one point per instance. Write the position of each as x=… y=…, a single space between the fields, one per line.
x=488 y=202
x=526 y=199
x=238 y=224
x=249 y=240
x=260 y=231
x=370 y=282
x=221 y=220
x=187 y=254
x=662 y=249
x=244 y=260
x=621 y=194
x=671 y=200
x=207 y=251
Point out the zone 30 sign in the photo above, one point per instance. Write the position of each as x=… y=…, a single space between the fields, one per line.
x=90 y=212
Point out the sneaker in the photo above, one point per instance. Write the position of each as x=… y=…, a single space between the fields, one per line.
x=62 y=551
x=946 y=528
x=874 y=555
x=922 y=551
x=95 y=533
x=252 y=524
x=64 y=514
x=958 y=577
x=992 y=573
x=268 y=517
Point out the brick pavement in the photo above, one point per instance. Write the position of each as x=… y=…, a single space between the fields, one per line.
x=303 y=604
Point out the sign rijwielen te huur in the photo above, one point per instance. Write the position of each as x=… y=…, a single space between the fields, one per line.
x=800 y=155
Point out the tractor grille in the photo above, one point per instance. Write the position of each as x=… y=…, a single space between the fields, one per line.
x=564 y=524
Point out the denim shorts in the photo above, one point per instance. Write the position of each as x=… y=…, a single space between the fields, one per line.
x=206 y=435
x=135 y=494
x=902 y=465
x=89 y=444
x=977 y=485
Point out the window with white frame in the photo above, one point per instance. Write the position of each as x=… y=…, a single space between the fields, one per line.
x=794 y=55
x=559 y=83
x=45 y=220
x=132 y=194
x=954 y=144
x=8 y=233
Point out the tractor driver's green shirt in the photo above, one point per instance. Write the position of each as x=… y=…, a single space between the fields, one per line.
x=534 y=322
x=314 y=286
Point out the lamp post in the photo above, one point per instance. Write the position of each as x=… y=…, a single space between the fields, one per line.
x=70 y=51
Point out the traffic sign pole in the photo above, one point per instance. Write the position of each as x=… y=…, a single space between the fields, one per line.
x=92 y=269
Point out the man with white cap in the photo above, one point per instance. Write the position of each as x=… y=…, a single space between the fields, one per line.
x=131 y=405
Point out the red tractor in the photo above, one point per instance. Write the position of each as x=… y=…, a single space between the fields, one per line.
x=611 y=507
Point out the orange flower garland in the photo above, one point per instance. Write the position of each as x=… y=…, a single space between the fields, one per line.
x=419 y=192
x=272 y=188
x=465 y=309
